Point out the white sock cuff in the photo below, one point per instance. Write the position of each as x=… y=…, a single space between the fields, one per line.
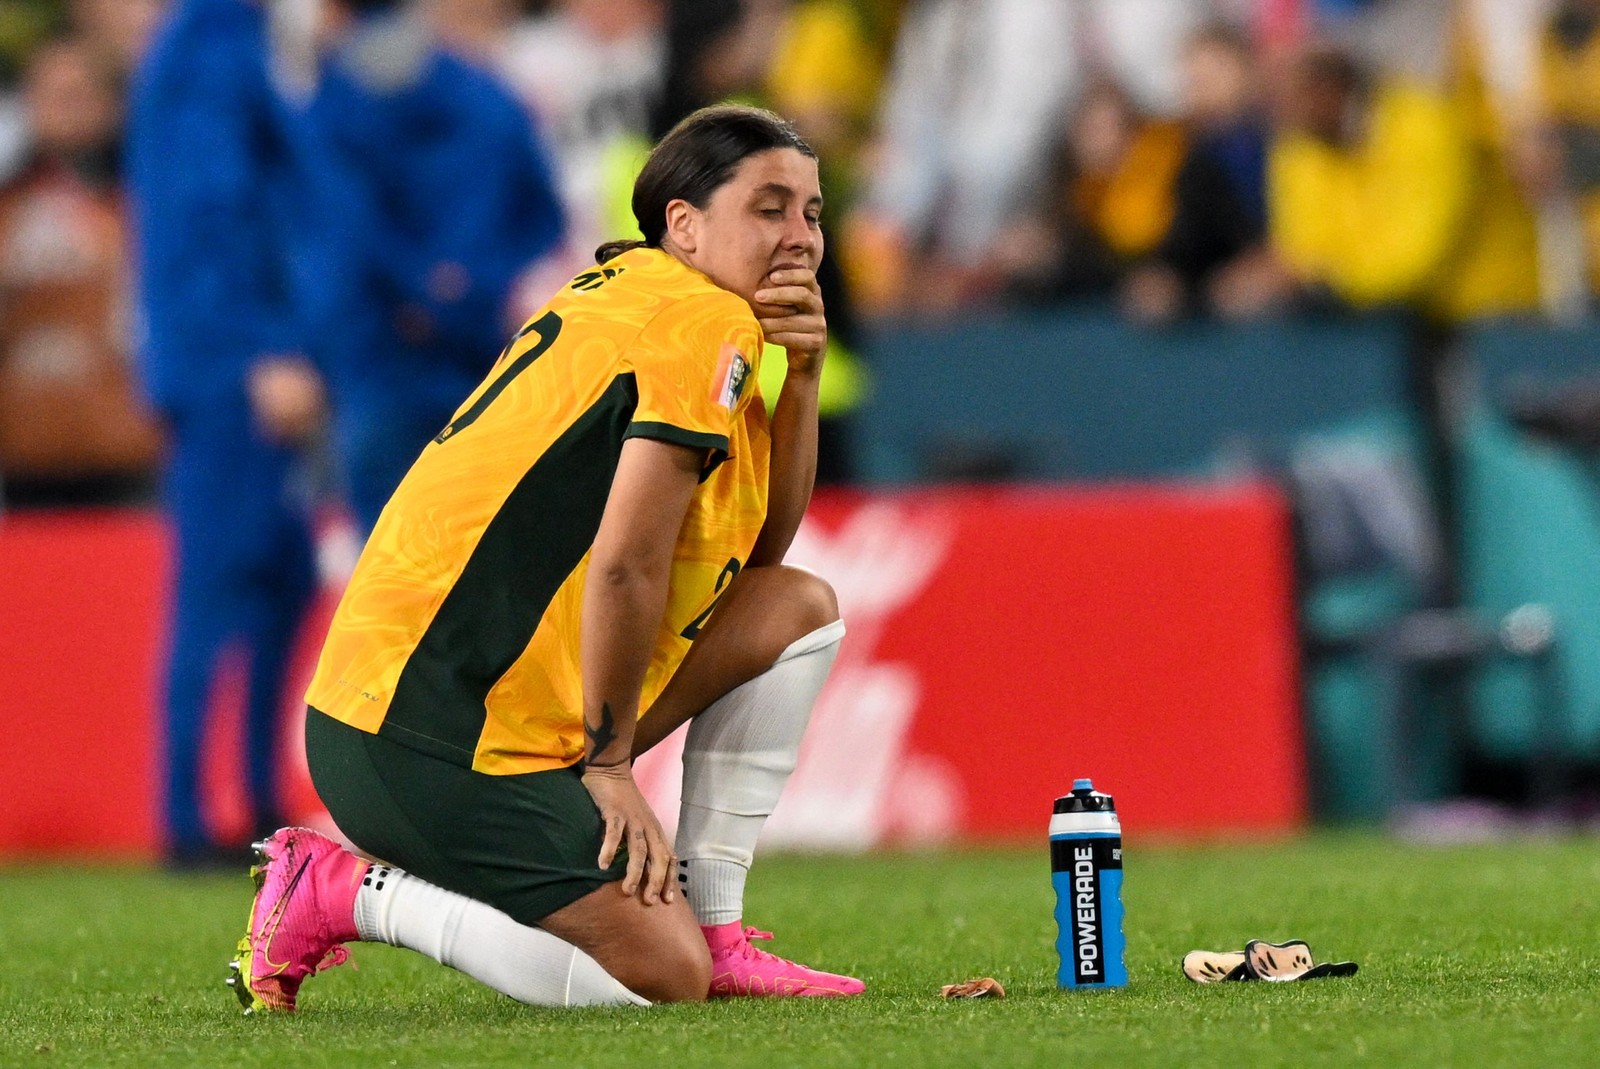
x=823 y=637
x=369 y=908
x=747 y=784
x=709 y=835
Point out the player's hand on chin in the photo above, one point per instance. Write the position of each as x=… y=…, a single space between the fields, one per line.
x=789 y=309
x=629 y=820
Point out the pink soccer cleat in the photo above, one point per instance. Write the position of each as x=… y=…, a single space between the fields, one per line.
x=303 y=913
x=740 y=970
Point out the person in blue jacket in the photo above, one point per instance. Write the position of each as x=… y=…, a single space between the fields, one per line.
x=462 y=201
x=217 y=192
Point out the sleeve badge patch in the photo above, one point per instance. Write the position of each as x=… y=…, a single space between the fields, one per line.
x=733 y=371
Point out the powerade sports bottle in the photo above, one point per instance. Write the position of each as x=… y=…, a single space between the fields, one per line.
x=1086 y=868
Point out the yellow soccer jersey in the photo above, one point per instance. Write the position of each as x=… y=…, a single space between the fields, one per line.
x=458 y=634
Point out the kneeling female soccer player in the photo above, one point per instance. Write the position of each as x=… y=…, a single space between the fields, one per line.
x=587 y=557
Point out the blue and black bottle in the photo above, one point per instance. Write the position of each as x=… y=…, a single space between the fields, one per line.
x=1086 y=868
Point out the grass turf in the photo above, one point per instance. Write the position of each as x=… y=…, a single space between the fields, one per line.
x=1476 y=956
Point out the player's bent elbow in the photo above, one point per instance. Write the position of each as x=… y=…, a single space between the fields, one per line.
x=627 y=577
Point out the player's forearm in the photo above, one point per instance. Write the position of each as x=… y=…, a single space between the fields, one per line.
x=622 y=609
x=793 y=469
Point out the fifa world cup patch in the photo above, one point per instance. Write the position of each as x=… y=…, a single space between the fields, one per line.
x=733 y=371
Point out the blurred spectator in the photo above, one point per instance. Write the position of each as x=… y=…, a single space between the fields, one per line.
x=1125 y=170
x=963 y=143
x=815 y=62
x=1560 y=160
x=976 y=92
x=1111 y=204
x=1379 y=192
x=591 y=72
x=71 y=426
x=1494 y=72
x=462 y=201
x=1214 y=256
x=1497 y=75
x=209 y=166
x=475 y=30
x=119 y=30
x=1501 y=42
x=115 y=31
x=824 y=76
x=717 y=50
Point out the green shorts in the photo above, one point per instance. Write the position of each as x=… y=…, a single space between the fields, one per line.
x=525 y=844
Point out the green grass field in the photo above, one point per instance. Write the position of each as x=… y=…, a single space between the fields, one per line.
x=1478 y=956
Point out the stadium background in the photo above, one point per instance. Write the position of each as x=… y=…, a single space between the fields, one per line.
x=1312 y=506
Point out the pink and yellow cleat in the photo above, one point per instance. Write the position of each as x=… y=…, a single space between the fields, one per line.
x=303 y=913
x=738 y=969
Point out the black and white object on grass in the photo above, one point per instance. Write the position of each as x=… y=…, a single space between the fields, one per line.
x=1261 y=960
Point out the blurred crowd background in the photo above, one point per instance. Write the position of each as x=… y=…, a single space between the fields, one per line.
x=1179 y=158
x=1205 y=169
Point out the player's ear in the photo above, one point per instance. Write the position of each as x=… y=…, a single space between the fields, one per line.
x=683 y=221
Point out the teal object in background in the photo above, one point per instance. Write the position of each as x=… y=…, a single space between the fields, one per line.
x=1374 y=560
x=1078 y=394
x=1530 y=533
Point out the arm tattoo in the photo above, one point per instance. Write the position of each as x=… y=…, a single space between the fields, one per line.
x=602 y=736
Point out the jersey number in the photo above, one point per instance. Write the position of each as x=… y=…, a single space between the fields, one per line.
x=548 y=327
x=729 y=570
x=593 y=280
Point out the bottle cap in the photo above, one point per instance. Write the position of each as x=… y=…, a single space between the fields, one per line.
x=1085 y=799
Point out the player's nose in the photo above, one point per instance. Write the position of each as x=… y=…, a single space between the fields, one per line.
x=800 y=236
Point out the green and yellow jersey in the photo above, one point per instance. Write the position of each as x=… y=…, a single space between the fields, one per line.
x=458 y=633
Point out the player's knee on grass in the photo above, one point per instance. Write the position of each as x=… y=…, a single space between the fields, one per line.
x=657 y=952
x=675 y=969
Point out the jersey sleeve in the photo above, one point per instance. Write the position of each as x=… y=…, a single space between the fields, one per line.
x=694 y=366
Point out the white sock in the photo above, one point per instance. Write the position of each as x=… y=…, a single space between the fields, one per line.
x=737 y=757
x=528 y=964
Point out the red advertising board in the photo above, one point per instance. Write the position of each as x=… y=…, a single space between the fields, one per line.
x=1005 y=642
x=79 y=649
x=1001 y=643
